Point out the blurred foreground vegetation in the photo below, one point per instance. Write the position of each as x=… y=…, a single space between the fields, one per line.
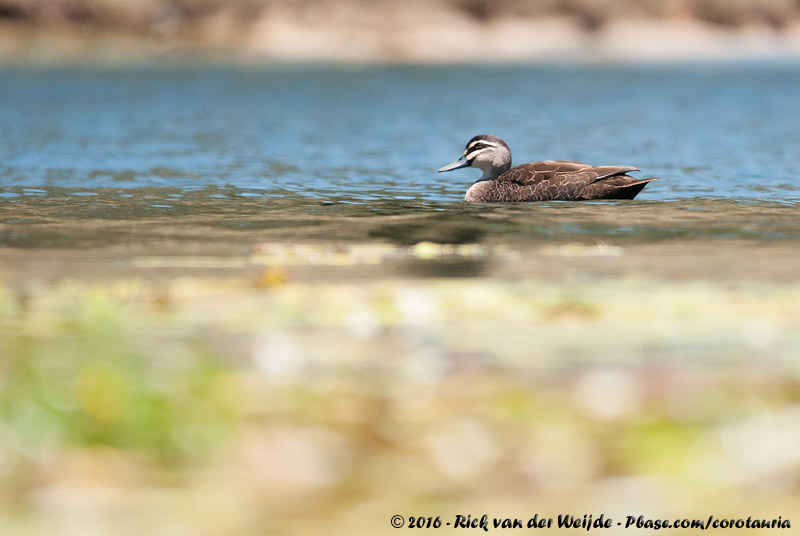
x=256 y=404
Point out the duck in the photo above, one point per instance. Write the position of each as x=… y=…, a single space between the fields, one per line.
x=549 y=180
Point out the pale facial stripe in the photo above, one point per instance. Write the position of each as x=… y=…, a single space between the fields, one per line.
x=473 y=154
x=469 y=155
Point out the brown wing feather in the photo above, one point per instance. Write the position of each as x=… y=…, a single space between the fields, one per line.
x=535 y=172
x=561 y=179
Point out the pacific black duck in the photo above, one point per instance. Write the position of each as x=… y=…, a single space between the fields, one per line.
x=540 y=181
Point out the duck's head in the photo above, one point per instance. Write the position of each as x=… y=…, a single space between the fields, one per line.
x=488 y=153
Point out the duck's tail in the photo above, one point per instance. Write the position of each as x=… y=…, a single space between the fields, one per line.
x=631 y=189
x=615 y=187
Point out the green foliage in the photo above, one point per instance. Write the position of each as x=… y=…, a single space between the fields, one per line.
x=83 y=381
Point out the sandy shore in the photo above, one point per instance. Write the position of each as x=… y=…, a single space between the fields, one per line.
x=389 y=32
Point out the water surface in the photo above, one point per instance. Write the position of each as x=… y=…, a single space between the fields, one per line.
x=217 y=159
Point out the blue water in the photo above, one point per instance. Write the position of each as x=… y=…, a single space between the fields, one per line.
x=368 y=133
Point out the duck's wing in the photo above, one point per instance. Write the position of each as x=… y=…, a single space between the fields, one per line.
x=577 y=172
x=562 y=179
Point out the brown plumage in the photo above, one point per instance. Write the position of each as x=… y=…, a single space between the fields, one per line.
x=541 y=181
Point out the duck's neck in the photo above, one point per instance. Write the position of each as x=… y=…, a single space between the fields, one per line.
x=494 y=170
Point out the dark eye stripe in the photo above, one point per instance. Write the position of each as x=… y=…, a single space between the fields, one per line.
x=472 y=150
x=480 y=145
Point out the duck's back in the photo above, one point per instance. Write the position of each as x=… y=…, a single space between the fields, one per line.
x=558 y=180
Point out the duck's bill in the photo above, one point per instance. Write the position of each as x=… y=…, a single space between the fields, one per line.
x=461 y=162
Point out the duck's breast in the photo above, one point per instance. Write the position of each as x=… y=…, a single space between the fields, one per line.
x=494 y=191
x=480 y=192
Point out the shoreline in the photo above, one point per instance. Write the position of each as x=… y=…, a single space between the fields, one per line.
x=438 y=37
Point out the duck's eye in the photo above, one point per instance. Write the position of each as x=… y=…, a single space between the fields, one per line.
x=479 y=146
